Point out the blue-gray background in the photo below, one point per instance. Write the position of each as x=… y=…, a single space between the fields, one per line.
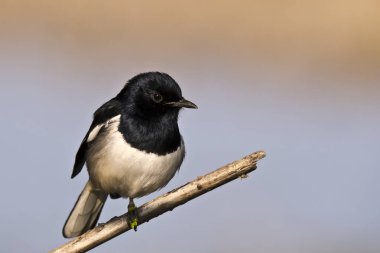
x=298 y=79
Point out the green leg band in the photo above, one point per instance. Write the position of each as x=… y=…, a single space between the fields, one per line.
x=132 y=215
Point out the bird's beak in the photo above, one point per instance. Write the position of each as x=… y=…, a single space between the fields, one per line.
x=182 y=103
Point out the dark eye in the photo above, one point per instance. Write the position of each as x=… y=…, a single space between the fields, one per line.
x=157 y=97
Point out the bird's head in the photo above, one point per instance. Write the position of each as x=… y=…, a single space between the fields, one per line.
x=153 y=94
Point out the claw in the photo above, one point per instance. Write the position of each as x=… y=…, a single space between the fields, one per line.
x=133 y=224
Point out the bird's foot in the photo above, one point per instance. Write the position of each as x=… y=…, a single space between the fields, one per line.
x=132 y=215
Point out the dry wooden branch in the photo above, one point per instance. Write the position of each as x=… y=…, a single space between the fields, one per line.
x=164 y=203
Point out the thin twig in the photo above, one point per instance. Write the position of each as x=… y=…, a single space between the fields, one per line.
x=164 y=203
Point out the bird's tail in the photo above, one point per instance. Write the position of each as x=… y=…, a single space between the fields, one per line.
x=86 y=211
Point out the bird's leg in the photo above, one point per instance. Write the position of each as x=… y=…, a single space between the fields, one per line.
x=132 y=215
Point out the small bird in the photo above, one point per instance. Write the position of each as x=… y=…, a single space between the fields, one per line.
x=133 y=148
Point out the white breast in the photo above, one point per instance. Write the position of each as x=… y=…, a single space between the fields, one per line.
x=117 y=167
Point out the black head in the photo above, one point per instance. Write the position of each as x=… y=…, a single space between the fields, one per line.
x=153 y=94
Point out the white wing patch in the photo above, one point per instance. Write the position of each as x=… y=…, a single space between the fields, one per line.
x=96 y=129
x=94 y=132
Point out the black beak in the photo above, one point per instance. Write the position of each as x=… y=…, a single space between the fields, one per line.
x=182 y=103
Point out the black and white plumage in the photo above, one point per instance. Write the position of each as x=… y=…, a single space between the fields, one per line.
x=133 y=147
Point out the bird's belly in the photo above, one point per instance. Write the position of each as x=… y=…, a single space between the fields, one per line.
x=116 y=167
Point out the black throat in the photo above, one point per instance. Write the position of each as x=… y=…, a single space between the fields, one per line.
x=159 y=135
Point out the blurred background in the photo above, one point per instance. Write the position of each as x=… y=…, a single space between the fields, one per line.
x=298 y=79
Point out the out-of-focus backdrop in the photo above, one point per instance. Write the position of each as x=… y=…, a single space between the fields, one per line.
x=298 y=79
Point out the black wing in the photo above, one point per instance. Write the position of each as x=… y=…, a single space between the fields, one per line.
x=107 y=111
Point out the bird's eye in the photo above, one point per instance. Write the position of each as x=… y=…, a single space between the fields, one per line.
x=157 y=97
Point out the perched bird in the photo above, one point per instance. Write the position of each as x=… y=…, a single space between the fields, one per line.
x=133 y=148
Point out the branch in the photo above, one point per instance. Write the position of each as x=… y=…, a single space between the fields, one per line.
x=164 y=203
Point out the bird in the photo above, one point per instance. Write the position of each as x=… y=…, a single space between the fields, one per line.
x=132 y=148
